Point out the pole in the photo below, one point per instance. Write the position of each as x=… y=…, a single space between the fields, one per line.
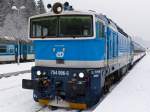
x=18 y=10
x=18 y=59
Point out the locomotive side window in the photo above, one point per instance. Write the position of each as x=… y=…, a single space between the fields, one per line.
x=62 y=26
x=101 y=30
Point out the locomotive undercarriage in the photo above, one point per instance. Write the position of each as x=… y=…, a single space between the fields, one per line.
x=114 y=77
x=62 y=87
x=66 y=86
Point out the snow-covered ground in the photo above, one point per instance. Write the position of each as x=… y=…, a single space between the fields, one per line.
x=132 y=94
x=9 y=68
x=12 y=97
x=15 y=99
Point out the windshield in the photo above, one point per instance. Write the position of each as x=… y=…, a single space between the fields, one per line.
x=62 y=26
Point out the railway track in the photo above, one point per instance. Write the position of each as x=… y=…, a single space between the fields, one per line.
x=41 y=109
x=14 y=73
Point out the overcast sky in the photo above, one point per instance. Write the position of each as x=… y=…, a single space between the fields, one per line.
x=132 y=15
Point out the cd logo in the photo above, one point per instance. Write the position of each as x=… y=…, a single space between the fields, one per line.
x=60 y=54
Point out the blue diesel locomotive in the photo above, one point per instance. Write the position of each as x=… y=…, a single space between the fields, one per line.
x=78 y=55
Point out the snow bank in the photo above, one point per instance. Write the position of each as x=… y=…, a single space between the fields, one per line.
x=8 y=68
x=15 y=99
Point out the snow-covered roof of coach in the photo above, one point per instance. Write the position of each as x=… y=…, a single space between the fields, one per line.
x=13 y=39
x=7 y=38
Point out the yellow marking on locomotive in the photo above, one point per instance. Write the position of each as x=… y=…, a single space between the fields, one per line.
x=43 y=101
x=78 y=106
x=71 y=105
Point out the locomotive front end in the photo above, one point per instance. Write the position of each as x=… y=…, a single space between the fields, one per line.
x=68 y=58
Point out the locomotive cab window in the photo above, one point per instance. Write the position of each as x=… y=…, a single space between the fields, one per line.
x=62 y=26
x=77 y=26
x=44 y=27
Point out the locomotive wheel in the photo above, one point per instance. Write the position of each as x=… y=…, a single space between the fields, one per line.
x=106 y=89
x=107 y=85
x=124 y=70
x=53 y=107
x=35 y=99
x=118 y=76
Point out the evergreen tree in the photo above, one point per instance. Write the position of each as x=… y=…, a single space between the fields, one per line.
x=30 y=8
x=13 y=23
x=4 y=9
x=40 y=7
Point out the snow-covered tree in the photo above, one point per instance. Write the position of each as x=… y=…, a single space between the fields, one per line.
x=15 y=26
x=4 y=10
x=13 y=23
x=40 y=7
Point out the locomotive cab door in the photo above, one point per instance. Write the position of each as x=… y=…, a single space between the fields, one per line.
x=102 y=35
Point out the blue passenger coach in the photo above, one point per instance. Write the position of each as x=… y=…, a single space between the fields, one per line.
x=7 y=50
x=78 y=55
x=14 y=49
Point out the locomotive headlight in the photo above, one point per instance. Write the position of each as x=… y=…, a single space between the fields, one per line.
x=38 y=72
x=57 y=8
x=81 y=75
x=44 y=73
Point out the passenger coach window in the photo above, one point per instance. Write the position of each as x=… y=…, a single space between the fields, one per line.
x=101 y=30
x=30 y=49
x=11 y=49
x=3 y=49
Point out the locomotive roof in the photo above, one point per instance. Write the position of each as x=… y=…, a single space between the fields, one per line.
x=65 y=13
